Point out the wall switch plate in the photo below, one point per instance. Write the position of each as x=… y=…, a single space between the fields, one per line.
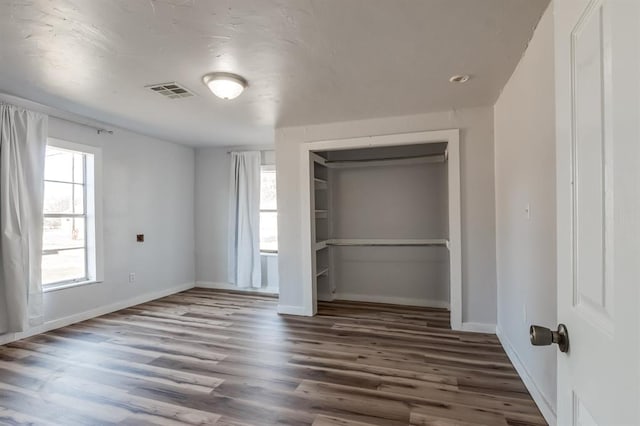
x=140 y=238
x=132 y=277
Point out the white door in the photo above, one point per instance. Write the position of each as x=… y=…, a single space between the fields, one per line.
x=598 y=174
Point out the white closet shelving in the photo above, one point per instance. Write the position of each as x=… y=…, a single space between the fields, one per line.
x=330 y=251
x=320 y=184
x=375 y=242
x=320 y=206
x=396 y=161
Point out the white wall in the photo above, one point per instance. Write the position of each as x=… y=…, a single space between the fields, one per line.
x=525 y=175
x=147 y=188
x=212 y=211
x=211 y=217
x=478 y=218
x=408 y=201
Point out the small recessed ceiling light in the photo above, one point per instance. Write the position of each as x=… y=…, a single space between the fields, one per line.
x=225 y=85
x=459 y=78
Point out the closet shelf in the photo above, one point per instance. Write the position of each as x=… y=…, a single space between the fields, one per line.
x=418 y=159
x=321 y=245
x=322 y=271
x=433 y=242
x=320 y=184
x=322 y=214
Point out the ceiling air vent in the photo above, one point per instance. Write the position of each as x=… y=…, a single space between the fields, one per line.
x=170 y=90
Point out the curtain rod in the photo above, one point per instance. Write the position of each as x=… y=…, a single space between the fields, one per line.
x=98 y=130
x=249 y=150
x=50 y=111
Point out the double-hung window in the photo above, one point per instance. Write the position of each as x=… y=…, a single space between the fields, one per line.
x=71 y=234
x=268 y=210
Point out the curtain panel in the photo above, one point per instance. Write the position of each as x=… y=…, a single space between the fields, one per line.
x=23 y=142
x=244 y=220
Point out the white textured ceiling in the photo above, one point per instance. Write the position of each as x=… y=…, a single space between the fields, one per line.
x=307 y=61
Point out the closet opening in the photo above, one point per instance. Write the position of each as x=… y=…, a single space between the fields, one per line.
x=384 y=221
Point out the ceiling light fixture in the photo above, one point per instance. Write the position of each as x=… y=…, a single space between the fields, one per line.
x=225 y=85
x=459 y=78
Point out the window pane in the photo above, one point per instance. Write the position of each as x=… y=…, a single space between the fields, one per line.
x=58 y=165
x=63 y=232
x=268 y=231
x=268 y=198
x=78 y=199
x=78 y=167
x=63 y=198
x=64 y=265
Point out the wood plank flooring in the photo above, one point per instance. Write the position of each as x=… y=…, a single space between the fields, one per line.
x=206 y=357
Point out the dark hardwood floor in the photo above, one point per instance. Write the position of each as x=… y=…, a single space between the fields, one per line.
x=213 y=357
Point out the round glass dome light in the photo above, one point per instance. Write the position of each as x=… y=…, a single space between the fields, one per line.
x=225 y=85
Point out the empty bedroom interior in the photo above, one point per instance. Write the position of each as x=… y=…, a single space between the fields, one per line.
x=278 y=212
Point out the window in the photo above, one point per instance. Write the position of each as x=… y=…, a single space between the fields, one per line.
x=69 y=243
x=268 y=210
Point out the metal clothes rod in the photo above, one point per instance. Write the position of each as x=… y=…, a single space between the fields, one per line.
x=437 y=242
x=389 y=245
x=367 y=160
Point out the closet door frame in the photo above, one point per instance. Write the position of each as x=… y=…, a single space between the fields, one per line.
x=452 y=138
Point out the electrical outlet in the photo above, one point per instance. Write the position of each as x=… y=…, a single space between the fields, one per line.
x=132 y=277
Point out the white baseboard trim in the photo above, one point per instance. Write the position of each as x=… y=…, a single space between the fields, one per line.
x=407 y=301
x=545 y=408
x=478 y=327
x=216 y=285
x=228 y=286
x=294 y=310
x=103 y=310
x=325 y=297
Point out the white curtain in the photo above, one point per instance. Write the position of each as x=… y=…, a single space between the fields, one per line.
x=244 y=220
x=23 y=142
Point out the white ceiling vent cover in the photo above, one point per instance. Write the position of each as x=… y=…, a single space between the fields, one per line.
x=171 y=90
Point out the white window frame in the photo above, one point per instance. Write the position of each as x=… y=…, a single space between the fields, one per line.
x=93 y=211
x=268 y=168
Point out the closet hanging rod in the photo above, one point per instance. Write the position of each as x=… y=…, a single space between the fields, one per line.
x=433 y=242
x=442 y=156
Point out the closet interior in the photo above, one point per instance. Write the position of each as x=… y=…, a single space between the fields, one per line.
x=380 y=224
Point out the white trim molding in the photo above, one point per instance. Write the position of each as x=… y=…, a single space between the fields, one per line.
x=93 y=313
x=452 y=138
x=545 y=408
x=294 y=310
x=270 y=291
x=391 y=300
x=479 y=327
x=94 y=237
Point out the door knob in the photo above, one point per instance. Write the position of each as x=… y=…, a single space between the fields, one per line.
x=542 y=336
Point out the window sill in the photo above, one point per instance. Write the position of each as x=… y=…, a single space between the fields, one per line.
x=269 y=253
x=64 y=286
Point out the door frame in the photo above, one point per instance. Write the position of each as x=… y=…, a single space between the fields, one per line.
x=452 y=138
